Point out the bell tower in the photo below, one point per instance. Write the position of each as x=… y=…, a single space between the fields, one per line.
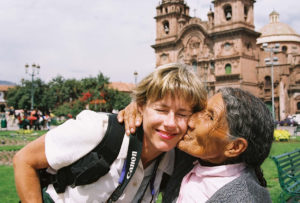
x=171 y=15
x=235 y=50
x=233 y=14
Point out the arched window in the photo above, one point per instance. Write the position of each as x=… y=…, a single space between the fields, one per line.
x=166 y=27
x=298 y=105
x=228 y=12
x=245 y=12
x=284 y=48
x=227 y=46
x=194 y=64
x=249 y=46
x=212 y=65
x=267 y=82
x=228 y=69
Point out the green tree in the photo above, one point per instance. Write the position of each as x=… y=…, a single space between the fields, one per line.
x=88 y=83
x=62 y=90
x=40 y=89
x=68 y=96
x=72 y=88
x=13 y=97
x=94 y=83
x=20 y=96
x=72 y=108
x=117 y=100
x=56 y=90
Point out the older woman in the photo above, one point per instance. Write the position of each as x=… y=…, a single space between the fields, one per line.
x=229 y=139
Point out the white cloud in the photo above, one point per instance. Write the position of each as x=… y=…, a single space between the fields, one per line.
x=77 y=38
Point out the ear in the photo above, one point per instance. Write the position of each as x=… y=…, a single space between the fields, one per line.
x=236 y=147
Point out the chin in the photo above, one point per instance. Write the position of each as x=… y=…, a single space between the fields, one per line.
x=163 y=147
x=189 y=149
x=181 y=145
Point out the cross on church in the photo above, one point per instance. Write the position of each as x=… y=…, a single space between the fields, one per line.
x=195 y=12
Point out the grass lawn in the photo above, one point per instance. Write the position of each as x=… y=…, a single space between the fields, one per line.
x=14 y=140
x=8 y=192
x=21 y=134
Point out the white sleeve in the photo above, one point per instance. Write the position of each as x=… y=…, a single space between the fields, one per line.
x=73 y=139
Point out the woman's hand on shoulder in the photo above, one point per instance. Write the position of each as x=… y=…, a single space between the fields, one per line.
x=131 y=117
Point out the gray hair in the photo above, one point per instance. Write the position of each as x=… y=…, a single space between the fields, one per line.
x=248 y=117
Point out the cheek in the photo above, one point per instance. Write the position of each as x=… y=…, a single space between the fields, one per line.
x=215 y=143
x=220 y=133
x=183 y=124
x=191 y=147
x=207 y=140
x=150 y=117
x=202 y=131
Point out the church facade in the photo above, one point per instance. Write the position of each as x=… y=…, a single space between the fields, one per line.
x=226 y=50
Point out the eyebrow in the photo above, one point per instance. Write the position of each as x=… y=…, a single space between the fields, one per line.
x=185 y=110
x=212 y=112
x=181 y=109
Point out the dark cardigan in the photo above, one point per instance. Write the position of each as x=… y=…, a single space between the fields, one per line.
x=245 y=188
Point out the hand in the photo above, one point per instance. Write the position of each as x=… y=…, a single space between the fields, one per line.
x=131 y=117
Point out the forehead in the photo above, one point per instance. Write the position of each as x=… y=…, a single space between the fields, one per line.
x=170 y=100
x=216 y=105
x=215 y=101
x=217 y=109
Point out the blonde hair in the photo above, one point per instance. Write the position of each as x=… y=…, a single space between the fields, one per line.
x=174 y=79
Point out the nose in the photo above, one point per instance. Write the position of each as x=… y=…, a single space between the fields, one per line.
x=191 y=123
x=170 y=121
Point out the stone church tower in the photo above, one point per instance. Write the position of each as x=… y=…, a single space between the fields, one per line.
x=221 y=50
x=286 y=77
x=226 y=50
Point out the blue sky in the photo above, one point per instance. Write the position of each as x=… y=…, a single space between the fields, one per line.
x=77 y=38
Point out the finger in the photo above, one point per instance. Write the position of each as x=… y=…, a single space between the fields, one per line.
x=138 y=120
x=126 y=122
x=121 y=116
x=129 y=117
x=132 y=124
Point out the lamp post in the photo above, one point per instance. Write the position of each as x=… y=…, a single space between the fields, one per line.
x=135 y=77
x=32 y=71
x=271 y=62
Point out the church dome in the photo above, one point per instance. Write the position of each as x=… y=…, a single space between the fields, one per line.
x=277 y=31
x=172 y=1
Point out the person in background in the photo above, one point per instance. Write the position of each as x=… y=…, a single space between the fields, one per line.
x=11 y=116
x=166 y=99
x=37 y=121
x=25 y=121
x=220 y=156
x=47 y=121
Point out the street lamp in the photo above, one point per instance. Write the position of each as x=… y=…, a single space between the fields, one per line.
x=32 y=71
x=135 y=77
x=271 y=62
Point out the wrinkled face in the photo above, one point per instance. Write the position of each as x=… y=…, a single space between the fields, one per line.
x=165 y=122
x=206 y=137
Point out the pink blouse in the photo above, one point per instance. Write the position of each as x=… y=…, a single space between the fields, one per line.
x=203 y=181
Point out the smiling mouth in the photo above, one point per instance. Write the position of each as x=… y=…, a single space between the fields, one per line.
x=165 y=135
